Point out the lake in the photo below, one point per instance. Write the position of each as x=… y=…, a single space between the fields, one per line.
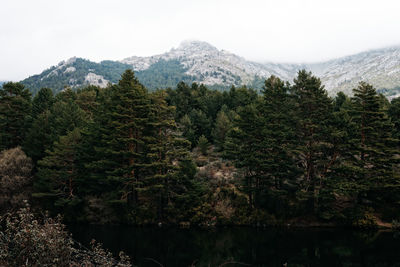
x=242 y=246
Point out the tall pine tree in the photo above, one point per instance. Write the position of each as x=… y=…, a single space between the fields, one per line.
x=15 y=108
x=374 y=148
x=314 y=111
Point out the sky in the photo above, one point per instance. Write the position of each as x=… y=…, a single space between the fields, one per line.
x=35 y=35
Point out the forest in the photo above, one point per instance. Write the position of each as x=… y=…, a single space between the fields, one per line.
x=191 y=156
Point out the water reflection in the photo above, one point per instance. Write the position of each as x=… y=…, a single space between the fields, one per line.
x=250 y=246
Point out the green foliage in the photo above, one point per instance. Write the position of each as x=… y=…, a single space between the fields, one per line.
x=314 y=133
x=365 y=219
x=123 y=155
x=58 y=171
x=58 y=78
x=164 y=74
x=203 y=145
x=15 y=108
x=221 y=127
x=394 y=114
x=42 y=101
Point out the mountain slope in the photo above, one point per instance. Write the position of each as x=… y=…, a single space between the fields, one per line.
x=379 y=67
x=76 y=72
x=195 y=61
x=211 y=66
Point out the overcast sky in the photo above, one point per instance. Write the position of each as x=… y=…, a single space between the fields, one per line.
x=35 y=35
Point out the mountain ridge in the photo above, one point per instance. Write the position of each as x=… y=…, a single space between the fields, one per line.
x=198 y=61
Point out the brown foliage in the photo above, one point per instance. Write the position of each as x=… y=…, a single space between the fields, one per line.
x=28 y=241
x=15 y=178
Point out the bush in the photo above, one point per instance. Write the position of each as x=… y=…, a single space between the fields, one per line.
x=366 y=220
x=15 y=178
x=28 y=241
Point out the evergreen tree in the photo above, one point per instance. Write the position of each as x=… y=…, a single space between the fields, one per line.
x=374 y=148
x=42 y=101
x=221 y=127
x=65 y=115
x=15 y=108
x=394 y=114
x=314 y=134
x=87 y=98
x=39 y=137
x=188 y=129
x=203 y=144
x=278 y=134
x=58 y=180
x=165 y=149
x=58 y=170
x=201 y=123
x=120 y=151
x=244 y=146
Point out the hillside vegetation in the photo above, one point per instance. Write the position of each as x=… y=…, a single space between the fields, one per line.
x=195 y=156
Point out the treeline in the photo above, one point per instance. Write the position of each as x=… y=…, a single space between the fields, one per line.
x=125 y=155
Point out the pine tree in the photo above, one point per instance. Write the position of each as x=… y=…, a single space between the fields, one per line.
x=188 y=129
x=314 y=116
x=374 y=148
x=278 y=134
x=15 y=108
x=244 y=146
x=394 y=114
x=51 y=120
x=65 y=115
x=58 y=170
x=42 y=101
x=87 y=100
x=203 y=144
x=39 y=137
x=221 y=127
x=165 y=149
x=118 y=137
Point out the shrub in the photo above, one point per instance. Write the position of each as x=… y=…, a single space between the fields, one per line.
x=15 y=178
x=366 y=220
x=28 y=241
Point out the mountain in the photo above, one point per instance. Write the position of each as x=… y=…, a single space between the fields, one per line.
x=380 y=67
x=76 y=72
x=196 y=61
x=211 y=66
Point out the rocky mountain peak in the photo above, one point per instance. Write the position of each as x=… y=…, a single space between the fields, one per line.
x=198 y=61
x=195 y=46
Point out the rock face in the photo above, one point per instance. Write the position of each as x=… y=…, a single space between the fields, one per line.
x=211 y=66
x=76 y=72
x=196 y=61
x=94 y=79
x=380 y=68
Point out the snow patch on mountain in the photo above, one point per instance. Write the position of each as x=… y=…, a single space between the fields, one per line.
x=206 y=64
x=380 y=67
x=69 y=69
x=212 y=66
x=94 y=79
x=62 y=66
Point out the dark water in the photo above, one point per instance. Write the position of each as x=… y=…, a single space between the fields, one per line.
x=247 y=246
